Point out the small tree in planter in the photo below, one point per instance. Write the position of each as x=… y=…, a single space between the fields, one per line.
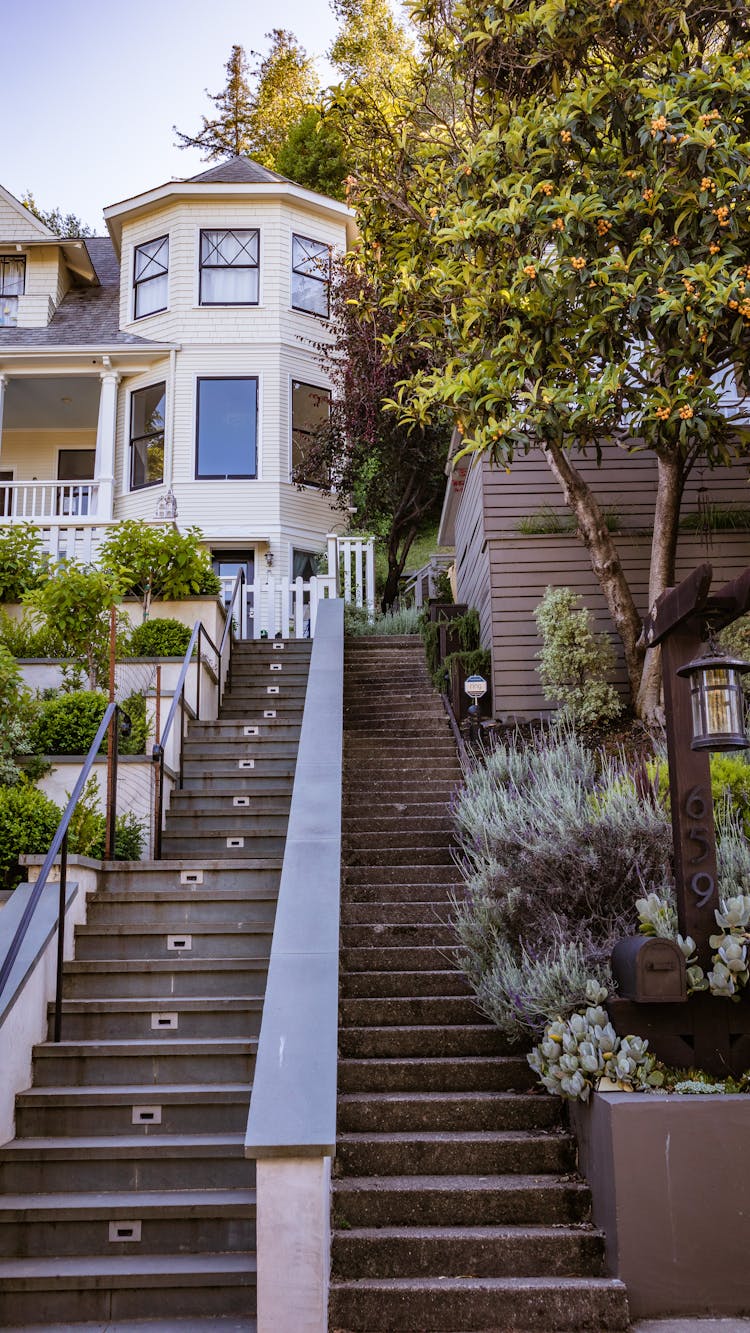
x=156 y=562
x=76 y=602
x=23 y=563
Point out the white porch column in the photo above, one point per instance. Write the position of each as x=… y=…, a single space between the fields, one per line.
x=104 y=467
x=3 y=386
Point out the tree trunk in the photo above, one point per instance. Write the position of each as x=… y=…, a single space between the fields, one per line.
x=396 y=562
x=605 y=561
x=672 y=472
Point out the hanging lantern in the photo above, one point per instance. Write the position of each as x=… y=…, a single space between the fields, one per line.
x=717 y=700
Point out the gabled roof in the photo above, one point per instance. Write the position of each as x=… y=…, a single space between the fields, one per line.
x=240 y=171
x=30 y=226
x=86 y=316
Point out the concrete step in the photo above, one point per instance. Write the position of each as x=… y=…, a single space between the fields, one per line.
x=150 y=1222
x=241 y=747
x=250 y=940
x=366 y=804
x=373 y=825
x=380 y=874
x=458 y=1200
x=233 y=729
x=253 y=782
x=186 y=1060
x=220 y=802
x=378 y=984
x=377 y=853
x=397 y=959
x=188 y=1108
x=232 y=818
x=502 y=1304
x=392 y=1042
x=212 y=874
x=255 y=700
x=144 y=1019
x=416 y=911
x=50 y=1166
x=440 y=1010
x=399 y=934
x=465 y=1073
x=436 y=898
x=67 y=1292
x=200 y=842
x=265 y=766
x=401 y=1112
x=453 y=1153
x=489 y=1251
x=183 y=976
x=181 y=907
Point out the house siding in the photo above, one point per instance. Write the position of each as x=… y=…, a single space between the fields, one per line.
x=517 y=569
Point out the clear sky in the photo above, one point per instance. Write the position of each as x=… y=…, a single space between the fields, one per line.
x=90 y=89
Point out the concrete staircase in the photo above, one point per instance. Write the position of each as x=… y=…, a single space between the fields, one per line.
x=126 y=1194
x=456 y=1203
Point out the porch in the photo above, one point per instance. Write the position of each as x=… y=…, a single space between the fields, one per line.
x=57 y=453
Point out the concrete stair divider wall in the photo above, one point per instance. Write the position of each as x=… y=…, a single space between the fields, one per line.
x=125 y=1193
x=291 y=1130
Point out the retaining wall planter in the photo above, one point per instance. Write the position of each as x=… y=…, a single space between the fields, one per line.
x=670 y=1180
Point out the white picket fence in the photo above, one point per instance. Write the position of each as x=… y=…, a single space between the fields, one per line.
x=289 y=607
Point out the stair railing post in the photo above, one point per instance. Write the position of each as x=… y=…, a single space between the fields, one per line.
x=111 y=815
x=61 y=935
x=198 y=676
x=158 y=754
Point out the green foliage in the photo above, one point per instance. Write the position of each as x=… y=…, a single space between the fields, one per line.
x=578 y=1051
x=730 y=783
x=548 y=521
x=383 y=624
x=443 y=587
x=62 y=224
x=76 y=603
x=254 y=121
x=23 y=564
x=555 y=849
x=313 y=155
x=574 y=661
x=735 y=640
x=87 y=828
x=158 y=562
x=160 y=637
x=68 y=723
x=134 y=707
x=16 y=718
x=478 y=662
x=25 y=638
x=717 y=518
x=28 y=821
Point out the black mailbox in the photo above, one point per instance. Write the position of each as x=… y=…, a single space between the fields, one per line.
x=649 y=970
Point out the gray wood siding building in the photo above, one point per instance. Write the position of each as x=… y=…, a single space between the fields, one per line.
x=504 y=574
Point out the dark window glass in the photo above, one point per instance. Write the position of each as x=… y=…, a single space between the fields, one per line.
x=311 y=275
x=227 y=564
x=76 y=464
x=12 y=282
x=305 y=564
x=311 y=407
x=151 y=277
x=147 y=407
x=227 y=428
x=229 y=267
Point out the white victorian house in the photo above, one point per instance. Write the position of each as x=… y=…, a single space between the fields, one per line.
x=172 y=363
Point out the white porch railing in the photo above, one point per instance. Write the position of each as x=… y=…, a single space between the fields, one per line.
x=288 y=607
x=419 y=586
x=351 y=561
x=48 y=501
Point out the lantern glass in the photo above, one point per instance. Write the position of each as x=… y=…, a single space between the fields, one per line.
x=718 y=706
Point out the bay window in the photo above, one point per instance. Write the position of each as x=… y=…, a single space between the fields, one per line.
x=311 y=275
x=12 y=282
x=151 y=277
x=227 y=428
x=229 y=267
x=147 y=407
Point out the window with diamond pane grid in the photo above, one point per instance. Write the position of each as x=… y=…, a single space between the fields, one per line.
x=311 y=275
x=229 y=267
x=151 y=276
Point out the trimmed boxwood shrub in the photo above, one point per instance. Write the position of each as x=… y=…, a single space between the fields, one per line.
x=28 y=820
x=160 y=637
x=68 y=723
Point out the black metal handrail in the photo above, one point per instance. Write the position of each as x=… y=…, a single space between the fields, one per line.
x=60 y=844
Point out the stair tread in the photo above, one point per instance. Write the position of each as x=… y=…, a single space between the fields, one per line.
x=209 y=1045
x=130 y=1203
x=145 y=1004
x=488 y=1136
x=458 y=1284
x=509 y=1231
x=103 y=1146
x=183 y=1266
x=454 y=1184
x=122 y=1092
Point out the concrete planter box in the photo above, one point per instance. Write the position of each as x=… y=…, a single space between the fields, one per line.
x=670 y=1180
x=189 y=609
